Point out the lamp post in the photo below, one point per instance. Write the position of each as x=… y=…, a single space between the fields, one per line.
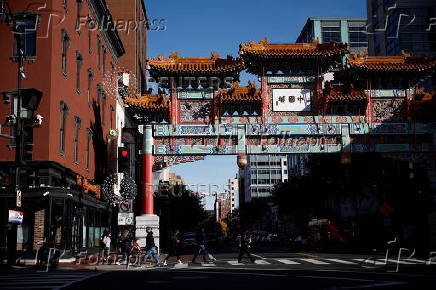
x=27 y=99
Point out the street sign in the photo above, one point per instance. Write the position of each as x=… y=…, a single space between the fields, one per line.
x=125 y=219
x=126 y=206
x=15 y=217
x=18 y=199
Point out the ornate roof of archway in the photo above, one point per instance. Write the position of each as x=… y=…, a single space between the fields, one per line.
x=344 y=93
x=248 y=93
x=400 y=63
x=187 y=66
x=149 y=101
x=288 y=50
x=290 y=56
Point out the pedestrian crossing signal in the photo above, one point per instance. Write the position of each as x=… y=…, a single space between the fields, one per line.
x=123 y=159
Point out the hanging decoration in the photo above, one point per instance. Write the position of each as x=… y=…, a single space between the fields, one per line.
x=128 y=188
x=108 y=190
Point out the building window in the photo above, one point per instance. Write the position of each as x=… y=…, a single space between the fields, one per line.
x=111 y=116
x=112 y=72
x=91 y=27
x=25 y=35
x=103 y=105
x=77 y=126
x=65 y=45
x=79 y=63
x=90 y=78
x=98 y=52
x=358 y=37
x=79 y=7
x=88 y=146
x=104 y=61
x=64 y=114
x=331 y=30
x=98 y=95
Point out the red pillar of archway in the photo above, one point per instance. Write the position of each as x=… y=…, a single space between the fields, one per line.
x=147 y=184
x=147 y=172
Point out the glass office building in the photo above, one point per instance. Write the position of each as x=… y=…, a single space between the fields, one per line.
x=350 y=30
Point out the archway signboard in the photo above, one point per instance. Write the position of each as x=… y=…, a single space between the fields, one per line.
x=313 y=98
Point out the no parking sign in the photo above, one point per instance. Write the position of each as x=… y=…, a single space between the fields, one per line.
x=126 y=206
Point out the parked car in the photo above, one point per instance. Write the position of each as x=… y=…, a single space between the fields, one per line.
x=188 y=239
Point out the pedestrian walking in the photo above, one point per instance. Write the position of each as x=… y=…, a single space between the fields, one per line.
x=106 y=245
x=125 y=244
x=174 y=247
x=150 y=247
x=244 y=247
x=200 y=239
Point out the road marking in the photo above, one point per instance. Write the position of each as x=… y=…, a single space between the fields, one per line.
x=417 y=261
x=341 y=261
x=316 y=262
x=288 y=262
x=257 y=256
x=261 y=262
x=234 y=262
x=396 y=261
x=369 y=261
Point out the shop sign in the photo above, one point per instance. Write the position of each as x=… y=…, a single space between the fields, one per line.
x=125 y=219
x=15 y=217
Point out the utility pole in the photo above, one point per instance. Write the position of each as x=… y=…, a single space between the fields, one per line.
x=19 y=146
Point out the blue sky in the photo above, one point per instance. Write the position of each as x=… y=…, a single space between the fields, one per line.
x=197 y=27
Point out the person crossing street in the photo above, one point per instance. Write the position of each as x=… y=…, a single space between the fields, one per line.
x=174 y=247
x=244 y=247
x=150 y=247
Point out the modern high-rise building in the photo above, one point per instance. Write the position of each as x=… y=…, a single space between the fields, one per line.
x=401 y=25
x=261 y=174
x=232 y=188
x=350 y=30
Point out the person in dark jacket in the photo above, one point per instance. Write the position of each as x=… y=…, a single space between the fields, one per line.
x=174 y=247
x=244 y=247
x=125 y=245
x=150 y=247
x=200 y=240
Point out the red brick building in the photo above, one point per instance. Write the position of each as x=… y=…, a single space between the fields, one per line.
x=132 y=17
x=77 y=51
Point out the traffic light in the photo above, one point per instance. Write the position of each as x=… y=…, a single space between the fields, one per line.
x=123 y=159
x=28 y=142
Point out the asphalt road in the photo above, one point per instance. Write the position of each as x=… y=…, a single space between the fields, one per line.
x=237 y=278
x=277 y=270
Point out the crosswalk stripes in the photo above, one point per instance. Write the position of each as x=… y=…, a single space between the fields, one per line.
x=341 y=261
x=370 y=261
x=261 y=262
x=316 y=262
x=234 y=263
x=320 y=262
x=417 y=261
x=396 y=261
x=42 y=280
x=287 y=262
